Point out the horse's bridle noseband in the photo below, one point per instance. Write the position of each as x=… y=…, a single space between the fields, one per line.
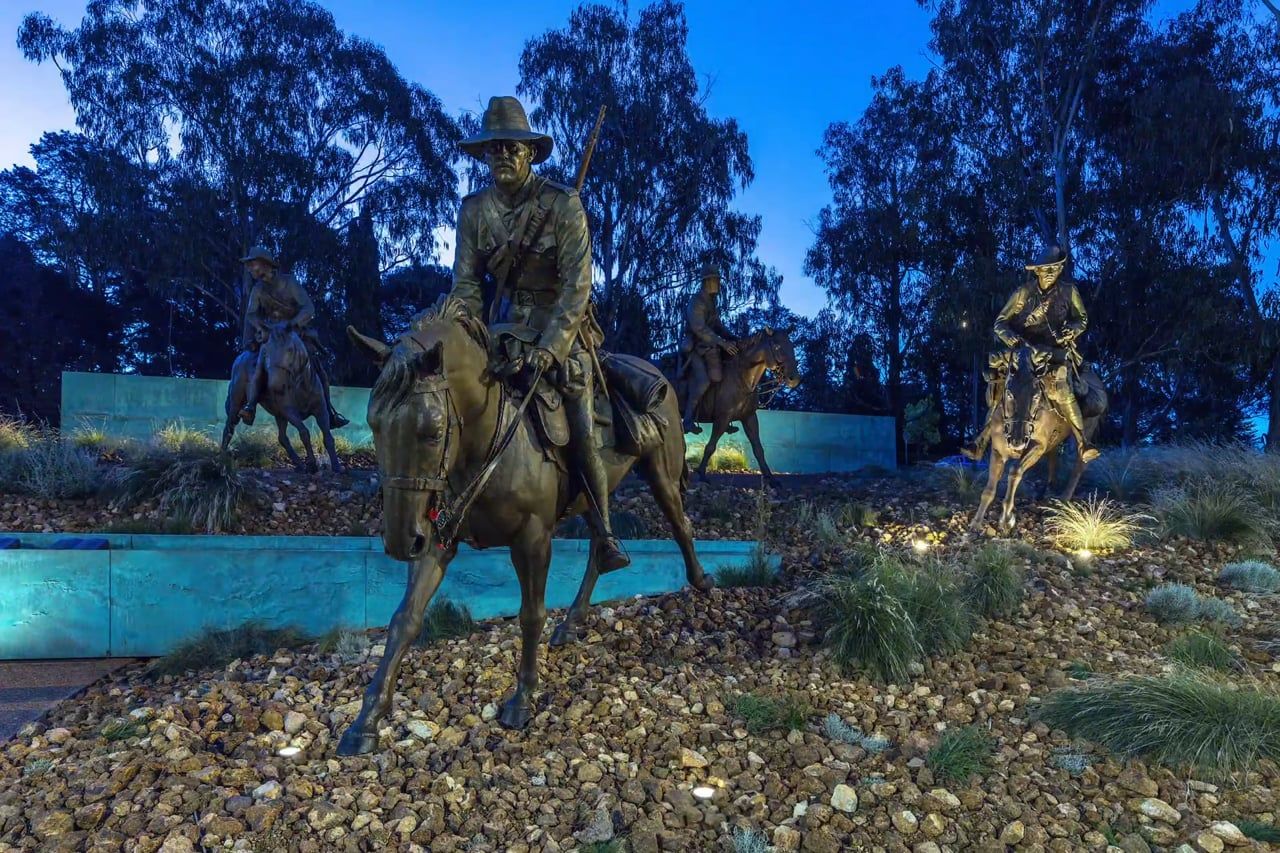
x=438 y=484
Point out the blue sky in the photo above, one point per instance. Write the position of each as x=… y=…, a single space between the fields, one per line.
x=785 y=72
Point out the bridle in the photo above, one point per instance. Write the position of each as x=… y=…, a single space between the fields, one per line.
x=767 y=389
x=1018 y=445
x=446 y=516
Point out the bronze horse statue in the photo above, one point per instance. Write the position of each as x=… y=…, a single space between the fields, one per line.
x=436 y=412
x=1026 y=427
x=292 y=393
x=737 y=396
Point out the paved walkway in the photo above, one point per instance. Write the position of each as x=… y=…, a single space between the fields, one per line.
x=29 y=688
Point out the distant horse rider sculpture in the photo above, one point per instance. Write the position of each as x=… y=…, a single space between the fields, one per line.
x=704 y=338
x=1040 y=390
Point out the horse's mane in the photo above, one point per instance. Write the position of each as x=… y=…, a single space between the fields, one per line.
x=400 y=373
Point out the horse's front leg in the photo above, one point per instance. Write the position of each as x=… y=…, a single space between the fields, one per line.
x=282 y=435
x=1028 y=461
x=531 y=555
x=297 y=422
x=326 y=435
x=717 y=430
x=1050 y=474
x=995 y=470
x=751 y=424
x=569 y=628
x=425 y=575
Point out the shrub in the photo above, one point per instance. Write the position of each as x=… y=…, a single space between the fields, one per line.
x=1173 y=603
x=1217 y=610
x=827 y=529
x=1188 y=718
x=15 y=434
x=728 y=459
x=931 y=596
x=1211 y=511
x=180 y=438
x=835 y=728
x=214 y=648
x=445 y=620
x=256 y=448
x=206 y=489
x=1093 y=525
x=1203 y=650
x=762 y=713
x=867 y=627
x=1250 y=576
x=757 y=571
x=49 y=467
x=994 y=586
x=960 y=753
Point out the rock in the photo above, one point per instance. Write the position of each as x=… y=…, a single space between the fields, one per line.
x=423 y=729
x=490 y=712
x=599 y=828
x=91 y=815
x=690 y=758
x=1134 y=843
x=590 y=772
x=934 y=824
x=177 y=844
x=54 y=824
x=1157 y=809
x=926 y=847
x=844 y=799
x=906 y=822
x=324 y=815
x=1132 y=778
x=58 y=735
x=268 y=791
x=786 y=839
x=1230 y=833
x=272 y=720
x=784 y=639
x=1013 y=832
x=1210 y=843
x=946 y=800
x=294 y=721
x=261 y=817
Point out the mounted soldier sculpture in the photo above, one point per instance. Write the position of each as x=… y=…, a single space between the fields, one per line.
x=493 y=433
x=1040 y=390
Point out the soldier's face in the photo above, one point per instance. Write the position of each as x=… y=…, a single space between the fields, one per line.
x=261 y=270
x=509 y=161
x=712 y=284
x=1047 y=275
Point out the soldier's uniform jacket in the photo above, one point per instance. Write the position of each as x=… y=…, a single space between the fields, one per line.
x=549 y=289
x=285 y=299
x=703 y=328
x=1041 y=319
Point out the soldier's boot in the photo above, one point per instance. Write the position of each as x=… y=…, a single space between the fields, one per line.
x=697 y=387
x=248 y=412
x=1071 y=410
x=336 y=420
x=595 y=481
x=978 y=448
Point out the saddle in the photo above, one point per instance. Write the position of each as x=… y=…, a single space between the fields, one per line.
x=626 y=410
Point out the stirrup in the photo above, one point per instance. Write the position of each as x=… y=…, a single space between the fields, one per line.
x=1089 y=454
x=971 y=452
x=692 y=427
x=612 y=557
x=247 y=415
x=336 y=420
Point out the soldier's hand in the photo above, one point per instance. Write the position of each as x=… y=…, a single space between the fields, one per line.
x=730 y=347
x=538 y=360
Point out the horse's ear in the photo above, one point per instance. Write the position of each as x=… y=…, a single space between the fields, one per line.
x=768 y=330
x=374 y=349
x=429 y=362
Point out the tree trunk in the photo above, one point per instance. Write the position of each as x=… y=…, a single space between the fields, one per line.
x=1273 y=405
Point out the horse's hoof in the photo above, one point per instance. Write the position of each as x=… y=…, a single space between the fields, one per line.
x=514 y=715
x=356 y=741
x=703 y=582
x=564 y=634
x=313 y=468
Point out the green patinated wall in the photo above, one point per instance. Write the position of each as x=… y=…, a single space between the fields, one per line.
x=149 y=593
x=137 y=406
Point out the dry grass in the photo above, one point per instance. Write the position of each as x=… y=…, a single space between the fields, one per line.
x=1095 y=524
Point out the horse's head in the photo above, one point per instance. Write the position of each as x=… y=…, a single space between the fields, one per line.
x=1022 y=395
x=780 y=355
x=414 y=415
x=284 y=353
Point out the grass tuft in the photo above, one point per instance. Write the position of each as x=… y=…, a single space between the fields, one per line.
x=757 y=571
x=446 y=620
x=1185 y=719
x=1259 y=831
x=214 y=648
x=727 y=458
x=1211 y=511
x=763 y=713
x=995 y=580
x=1250 y=576
x=749 y=841
x=349 y=645
x=1096 y=524
x=208 y=490
x=256 y=448
x=1173 y=604
x=49 y=467
x=835 y=728
x=960 y=753
x=932 y=598
x=1204 y=650
x=15 y=434
x=867 y=627
x=180 y=438
x=118 y=730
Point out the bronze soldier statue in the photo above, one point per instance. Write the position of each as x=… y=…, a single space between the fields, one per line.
x=1048 y=315
x=277 y=297
x=704 y=337
x=527 y=237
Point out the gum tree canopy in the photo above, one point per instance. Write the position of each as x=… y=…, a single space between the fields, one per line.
x=243 y=121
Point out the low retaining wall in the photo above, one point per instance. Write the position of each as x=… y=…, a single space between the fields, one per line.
x=136 y=407
x=148 y=593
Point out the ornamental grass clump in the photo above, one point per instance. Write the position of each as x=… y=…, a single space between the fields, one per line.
x=256 y=448
x=836 y=728
x=445 y=620
x=1096 y=524
x=867 y=627
x=1250 y=576
x=1186 y=719
x=764 y=713
x=206 y=489
x=932 y=598
x=1205 y=650
x=994 y=585
x=214 y=648
x=1173 y=604
x=1211 y=511
x=749 y=841
x=960 y=753
x=757 y=571
x=180 y=438
x=50 y=467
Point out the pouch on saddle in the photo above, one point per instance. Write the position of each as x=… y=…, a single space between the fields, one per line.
x=510 y=343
